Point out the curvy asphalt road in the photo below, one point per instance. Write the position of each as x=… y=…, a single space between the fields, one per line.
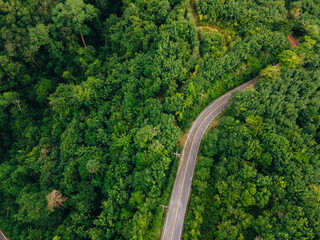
x=2 y=237
x=181 y=189
x=293 y=41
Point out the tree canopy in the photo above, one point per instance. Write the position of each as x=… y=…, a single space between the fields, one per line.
x=258 y=172
x=95 y=95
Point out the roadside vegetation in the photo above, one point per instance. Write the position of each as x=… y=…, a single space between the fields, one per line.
x=94 y=96
x=257 y=176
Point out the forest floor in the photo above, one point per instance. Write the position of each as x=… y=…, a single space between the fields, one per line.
x=195 y=20
x=183 y=138
x=204 y=26
x=216 y=121
x=194 y=17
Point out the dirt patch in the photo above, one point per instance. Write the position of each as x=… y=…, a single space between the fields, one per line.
x=194 y=16
x=183 y=138
x=181 y=142
x=214 y=124
x=209 y=28
x=159 y=96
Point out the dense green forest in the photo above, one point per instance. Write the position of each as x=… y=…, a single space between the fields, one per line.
x=94 y=95
x=258 y=173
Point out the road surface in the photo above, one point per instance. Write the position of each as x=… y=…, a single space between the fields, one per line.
x=293 y=42
x=2 y=237
x=180 y=194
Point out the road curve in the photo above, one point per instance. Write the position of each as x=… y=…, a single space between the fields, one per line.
x=180 y=194
x=293 y=41
x=2 y=236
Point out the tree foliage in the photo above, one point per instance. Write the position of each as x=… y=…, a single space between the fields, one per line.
x=94 y=95
x=257 y=175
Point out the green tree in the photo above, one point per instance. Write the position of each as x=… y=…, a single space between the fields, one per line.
x=289 y=59
x=74 y=14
